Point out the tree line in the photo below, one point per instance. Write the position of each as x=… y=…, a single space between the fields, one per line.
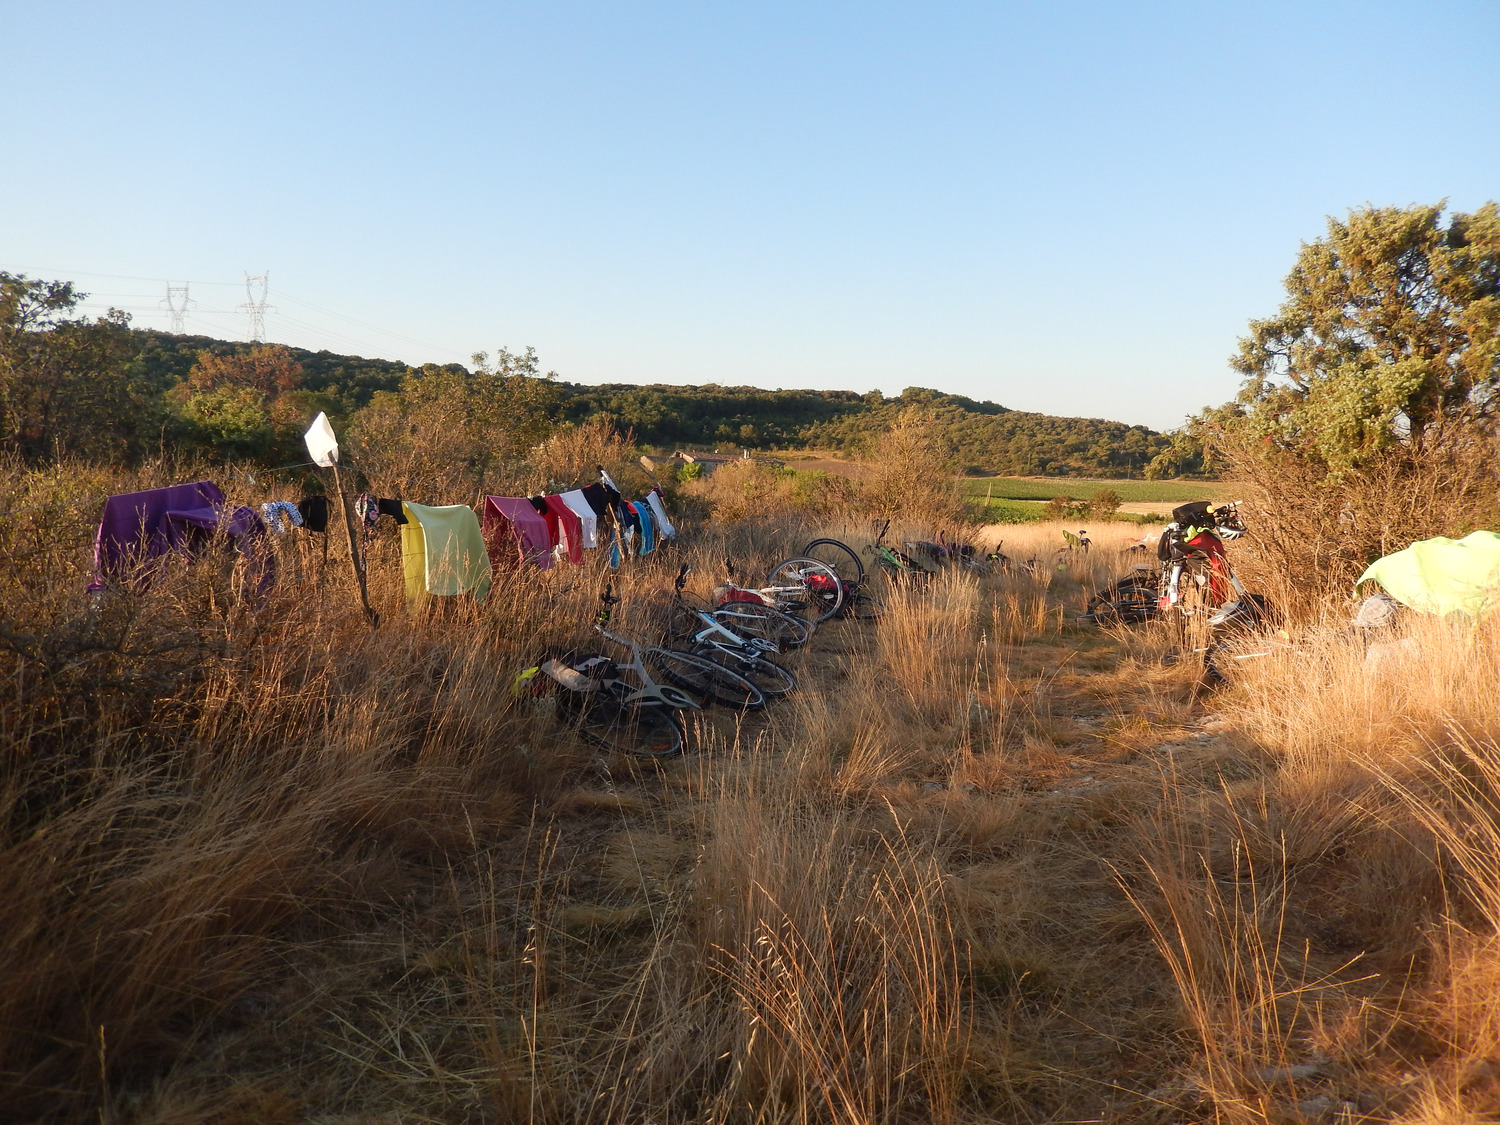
x=1381 y=363
x=100 y=389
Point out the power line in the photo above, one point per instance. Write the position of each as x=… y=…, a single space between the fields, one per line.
x=257 y=322
x=116 y=276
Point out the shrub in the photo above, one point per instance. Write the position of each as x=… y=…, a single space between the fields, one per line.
x=1104 y=503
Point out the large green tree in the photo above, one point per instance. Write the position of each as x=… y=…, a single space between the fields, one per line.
x=1391 y=327
x=62 y=382
x=1368 y=418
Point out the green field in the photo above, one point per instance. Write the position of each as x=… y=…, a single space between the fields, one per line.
x=1030 y=511
x=1129 y=491
x=1014 y=511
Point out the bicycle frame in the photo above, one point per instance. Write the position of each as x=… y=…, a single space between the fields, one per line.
x=1218 y=566
x=777 y=597
x=716 y=634
x=725 y=640
x=646 y=690
x=891 y=557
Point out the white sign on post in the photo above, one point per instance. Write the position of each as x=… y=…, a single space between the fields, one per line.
x=322 y=446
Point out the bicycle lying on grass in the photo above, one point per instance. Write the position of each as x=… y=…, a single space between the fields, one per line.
x=707 y=635
x=800 y=587
x=621 y=705
x=897 y=565
x=859 y=603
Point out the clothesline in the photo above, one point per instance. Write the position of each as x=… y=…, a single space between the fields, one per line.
x=445 y=549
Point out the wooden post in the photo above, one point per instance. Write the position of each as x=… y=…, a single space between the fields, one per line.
x=354 y=559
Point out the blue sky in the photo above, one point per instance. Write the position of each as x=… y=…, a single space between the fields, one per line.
x=1068 y=207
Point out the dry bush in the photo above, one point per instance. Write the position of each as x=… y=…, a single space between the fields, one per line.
x=1311 y=534
x=571 y=455
x=186 y=776
x=909 y=478
x=840 y=950
x=750 y=490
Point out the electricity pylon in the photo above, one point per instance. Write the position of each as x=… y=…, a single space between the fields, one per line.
x=255 y=306
x=176 y=303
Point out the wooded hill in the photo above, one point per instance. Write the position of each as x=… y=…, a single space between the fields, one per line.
x=980 y=436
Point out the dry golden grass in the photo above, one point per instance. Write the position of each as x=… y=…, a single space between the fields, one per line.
x=262 y=865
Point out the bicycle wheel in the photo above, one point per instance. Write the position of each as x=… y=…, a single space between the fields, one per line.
x=705 y=677
x=1129 y=601
x=751 y=619
x=772 y=679
x=645 y=730
x=808 y=586
x=840 y=557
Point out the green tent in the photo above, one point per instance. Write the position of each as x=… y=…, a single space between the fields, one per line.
x=1443 y=576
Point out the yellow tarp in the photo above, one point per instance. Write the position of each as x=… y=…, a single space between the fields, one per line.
x=1443 y=576
x=442 y=552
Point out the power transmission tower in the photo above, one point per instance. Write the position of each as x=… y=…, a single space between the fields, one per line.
x=176 y=303
x=255 y=305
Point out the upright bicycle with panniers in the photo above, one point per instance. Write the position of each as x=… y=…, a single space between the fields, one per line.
x=1193 y=588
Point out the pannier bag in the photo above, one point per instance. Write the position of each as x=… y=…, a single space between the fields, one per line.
x=1199 y=513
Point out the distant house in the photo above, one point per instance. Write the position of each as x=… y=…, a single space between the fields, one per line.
x=711 y=461
x=708 y=461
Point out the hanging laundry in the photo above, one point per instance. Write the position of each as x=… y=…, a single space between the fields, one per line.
x=314 y=512
x=280 y=516
x=643 y=515
x=442 y=552
x=659 y=510
x=585 y=512
x=511 y=524
x=137 y=528
x=367 y=514
x=630 y=526
x=391 y=508
x=549 y=517
x=570 y=528
x=599 y=499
